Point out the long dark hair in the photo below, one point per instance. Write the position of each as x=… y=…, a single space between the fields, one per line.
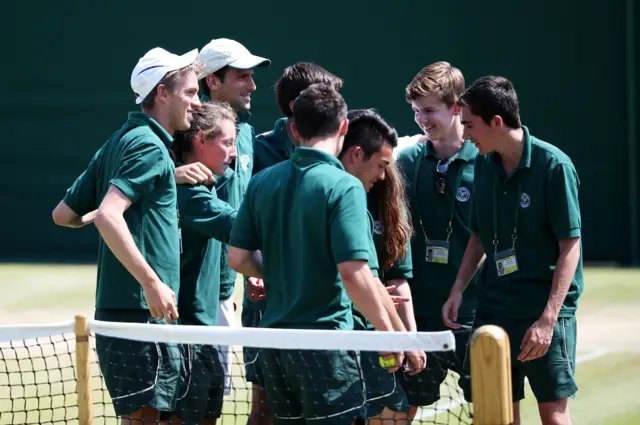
x=371 y=132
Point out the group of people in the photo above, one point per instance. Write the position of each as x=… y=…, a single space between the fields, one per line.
x=334 y=222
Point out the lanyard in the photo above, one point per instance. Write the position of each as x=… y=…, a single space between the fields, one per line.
x=452 y=198
x=514 y=236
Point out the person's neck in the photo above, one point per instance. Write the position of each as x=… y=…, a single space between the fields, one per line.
x=449 y=145
x=292 y=138
x=325 y=144
x=510 y=149
x=160 y=118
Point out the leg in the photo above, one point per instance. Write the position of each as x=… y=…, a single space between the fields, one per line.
x=143 y=379
x=516 y=413
x=555 y=412
x=226 y=317
x=259 y=410
x=145 y=416
x=551 y=376
x=389 y=417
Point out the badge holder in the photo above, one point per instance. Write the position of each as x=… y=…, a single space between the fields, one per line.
x=506 y=261
x=438 y=251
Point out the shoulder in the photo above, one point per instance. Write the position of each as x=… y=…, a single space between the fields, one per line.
x=410 y=156
x=552 y=156
x=407 y=142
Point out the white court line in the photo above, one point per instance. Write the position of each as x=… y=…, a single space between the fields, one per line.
x=452 y=404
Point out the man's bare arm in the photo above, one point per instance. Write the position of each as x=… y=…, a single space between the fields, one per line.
x=64 y=216
x=248 y=263
x=110 y=222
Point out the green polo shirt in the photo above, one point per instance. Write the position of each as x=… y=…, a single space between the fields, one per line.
x=136 y=160
x=307 y=216
x=272 y=147
x=231 y=188
x=269 y=149
x=543 y=191
x=205 y=221
x=430 y=214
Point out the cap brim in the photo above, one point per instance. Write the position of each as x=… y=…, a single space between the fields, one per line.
x=250 y=61
x=184 y=60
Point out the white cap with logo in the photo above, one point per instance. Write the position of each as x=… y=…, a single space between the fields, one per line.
x=153 y=66
x=225 y=52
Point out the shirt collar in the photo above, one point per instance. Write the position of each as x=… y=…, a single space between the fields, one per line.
x=464 y=154
x=525 y=159
x=307 y=156
x=142 y=119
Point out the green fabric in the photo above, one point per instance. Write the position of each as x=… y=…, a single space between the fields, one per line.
x=231 y=188
x=205 y=222
x=551 y=376
x=269 y=149
x=548 y=211
x=203 y=392
x=138 y=373
x=432 y=282
x=136 y=160
x=322 y=387
x=250 y=318
x=383 y=389
x=307 y=216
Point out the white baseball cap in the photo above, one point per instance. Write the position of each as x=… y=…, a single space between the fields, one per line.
x=225 y=52
x=153 y=66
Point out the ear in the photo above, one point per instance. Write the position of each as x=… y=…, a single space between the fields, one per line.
x=497 y=121
x=198 y=139
x=294 y=130
x=291 y=105
x=455 y=110
x=213 y=82
x=163 y=93
x=344 y=127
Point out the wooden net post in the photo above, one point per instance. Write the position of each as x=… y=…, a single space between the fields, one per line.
x=491 y=376
x=83 y=369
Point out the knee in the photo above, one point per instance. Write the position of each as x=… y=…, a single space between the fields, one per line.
x=555 y=412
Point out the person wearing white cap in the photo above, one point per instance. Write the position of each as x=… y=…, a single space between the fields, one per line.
x=128 y=191
x=228 y=77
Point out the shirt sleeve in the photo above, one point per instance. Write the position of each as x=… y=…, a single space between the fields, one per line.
x=562 y=201
x=208 y=215
x=141 y=165
x=81 y=196
x=349 y=228
x=244 y=234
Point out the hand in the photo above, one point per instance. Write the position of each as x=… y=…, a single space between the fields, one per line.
x=417 y=362
x=194 y=173
x=161 y=301
x=398 y=300
x=450 y=310
x=254 y=288
x=399 y=360
x=537 y=340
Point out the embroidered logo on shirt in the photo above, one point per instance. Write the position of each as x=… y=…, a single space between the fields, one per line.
x=377 y=227
x=244 y=161
x=525 y=201
x=463 y=194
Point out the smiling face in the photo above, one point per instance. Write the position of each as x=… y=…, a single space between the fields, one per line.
x=481 y=134
x=182 y=101
x=235 y=88
x=433 y=116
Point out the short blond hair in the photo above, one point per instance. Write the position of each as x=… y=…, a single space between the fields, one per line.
x=439 y=78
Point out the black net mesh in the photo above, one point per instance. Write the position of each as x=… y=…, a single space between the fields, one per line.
x=201 y=383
